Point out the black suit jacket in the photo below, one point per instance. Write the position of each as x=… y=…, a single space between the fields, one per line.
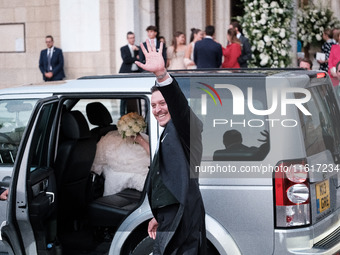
x=128 y=60
x=246 y=52
x=180 y=151
x=208 y=54
x=158 y=44
x=57 y=63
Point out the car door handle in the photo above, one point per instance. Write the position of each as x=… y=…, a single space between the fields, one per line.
x=50 y=196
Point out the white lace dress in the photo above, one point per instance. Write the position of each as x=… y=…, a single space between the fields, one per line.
x=123 y=163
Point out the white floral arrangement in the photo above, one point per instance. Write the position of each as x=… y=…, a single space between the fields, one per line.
x=312 y=21
x=267 y=25
x=131 y=124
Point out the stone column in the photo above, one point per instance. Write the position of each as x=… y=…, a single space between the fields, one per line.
x=335 y=6
x=146 y=11
x=165 y=20
x=222 y=20
x=195 y=16
x=127 y=16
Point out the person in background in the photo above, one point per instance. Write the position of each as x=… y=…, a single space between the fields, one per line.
x=162 y=39
x=152 y=36
x=334 y=55
x=3 y=194
x=245 y=45
x=306 y=63
x=327 y=36
x=207 y=52
x=233 y=50
x=175 y=53
x=196 y=35
x=51 y=62
x=129 y=54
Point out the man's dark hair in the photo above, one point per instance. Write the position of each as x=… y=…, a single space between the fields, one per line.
x=129 y=33
x=210 y=30
x=236 y=24
x=152 y=28
x=307 y=60
x=49 y=36
x=328 y=32
x=232 y=137
x=154 y=88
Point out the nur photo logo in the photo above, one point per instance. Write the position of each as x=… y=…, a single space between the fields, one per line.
x=204 y=96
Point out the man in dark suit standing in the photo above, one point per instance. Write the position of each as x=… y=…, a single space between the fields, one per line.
x=245 y=45
x=178 y=226
x=129 y=55
x=152 y=37
x=207 y=52
x=51 y=62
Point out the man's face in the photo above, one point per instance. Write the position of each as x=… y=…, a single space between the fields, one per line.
x=152 y=34
x=49 y=42
x=231 y=26
x=131 y=39
x=160 y=108
x=305 y=65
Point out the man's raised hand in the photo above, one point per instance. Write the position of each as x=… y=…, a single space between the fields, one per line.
x=154 y=61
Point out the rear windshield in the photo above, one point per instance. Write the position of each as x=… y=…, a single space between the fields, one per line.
x=232 y=129
x=14 y=116
x=321 y=129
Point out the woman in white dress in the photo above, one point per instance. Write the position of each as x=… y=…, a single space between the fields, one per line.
x=196 y=35
x=124 y=162
x=175 y=53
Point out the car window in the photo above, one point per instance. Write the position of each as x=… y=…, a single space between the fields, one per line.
x=321 y=129
x=14 y=116
x=116 y=107
x=41 y=137
x=231 y=131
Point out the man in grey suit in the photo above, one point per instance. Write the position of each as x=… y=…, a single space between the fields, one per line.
x=245 y=45
x=207 y=52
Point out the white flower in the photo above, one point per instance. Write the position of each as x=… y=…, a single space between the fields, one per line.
x=274 y=4
x=262 y=21
x=282 y=33
x=136 y=128
x=318 y=37
x=131 y=124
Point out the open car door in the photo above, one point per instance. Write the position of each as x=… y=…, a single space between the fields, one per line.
x=31 y=217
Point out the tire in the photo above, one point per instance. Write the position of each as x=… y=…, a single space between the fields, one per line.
x=145 y=247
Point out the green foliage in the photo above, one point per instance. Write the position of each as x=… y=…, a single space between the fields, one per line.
x=267 y=24
x=312 y=21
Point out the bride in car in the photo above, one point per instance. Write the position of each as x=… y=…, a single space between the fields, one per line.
x=123 y=155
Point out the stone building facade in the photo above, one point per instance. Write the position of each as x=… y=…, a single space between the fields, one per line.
x=91 y=32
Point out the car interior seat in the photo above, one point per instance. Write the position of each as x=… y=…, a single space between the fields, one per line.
x=75 y=157
x=110 y=210
x=99 y=116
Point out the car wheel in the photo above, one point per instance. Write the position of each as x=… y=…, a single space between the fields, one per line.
x=145 y=247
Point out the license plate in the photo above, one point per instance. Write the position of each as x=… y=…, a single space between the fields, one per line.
x=323 y=199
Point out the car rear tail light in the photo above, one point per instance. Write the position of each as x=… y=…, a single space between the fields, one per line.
x=321 y=75
x=292 y=194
